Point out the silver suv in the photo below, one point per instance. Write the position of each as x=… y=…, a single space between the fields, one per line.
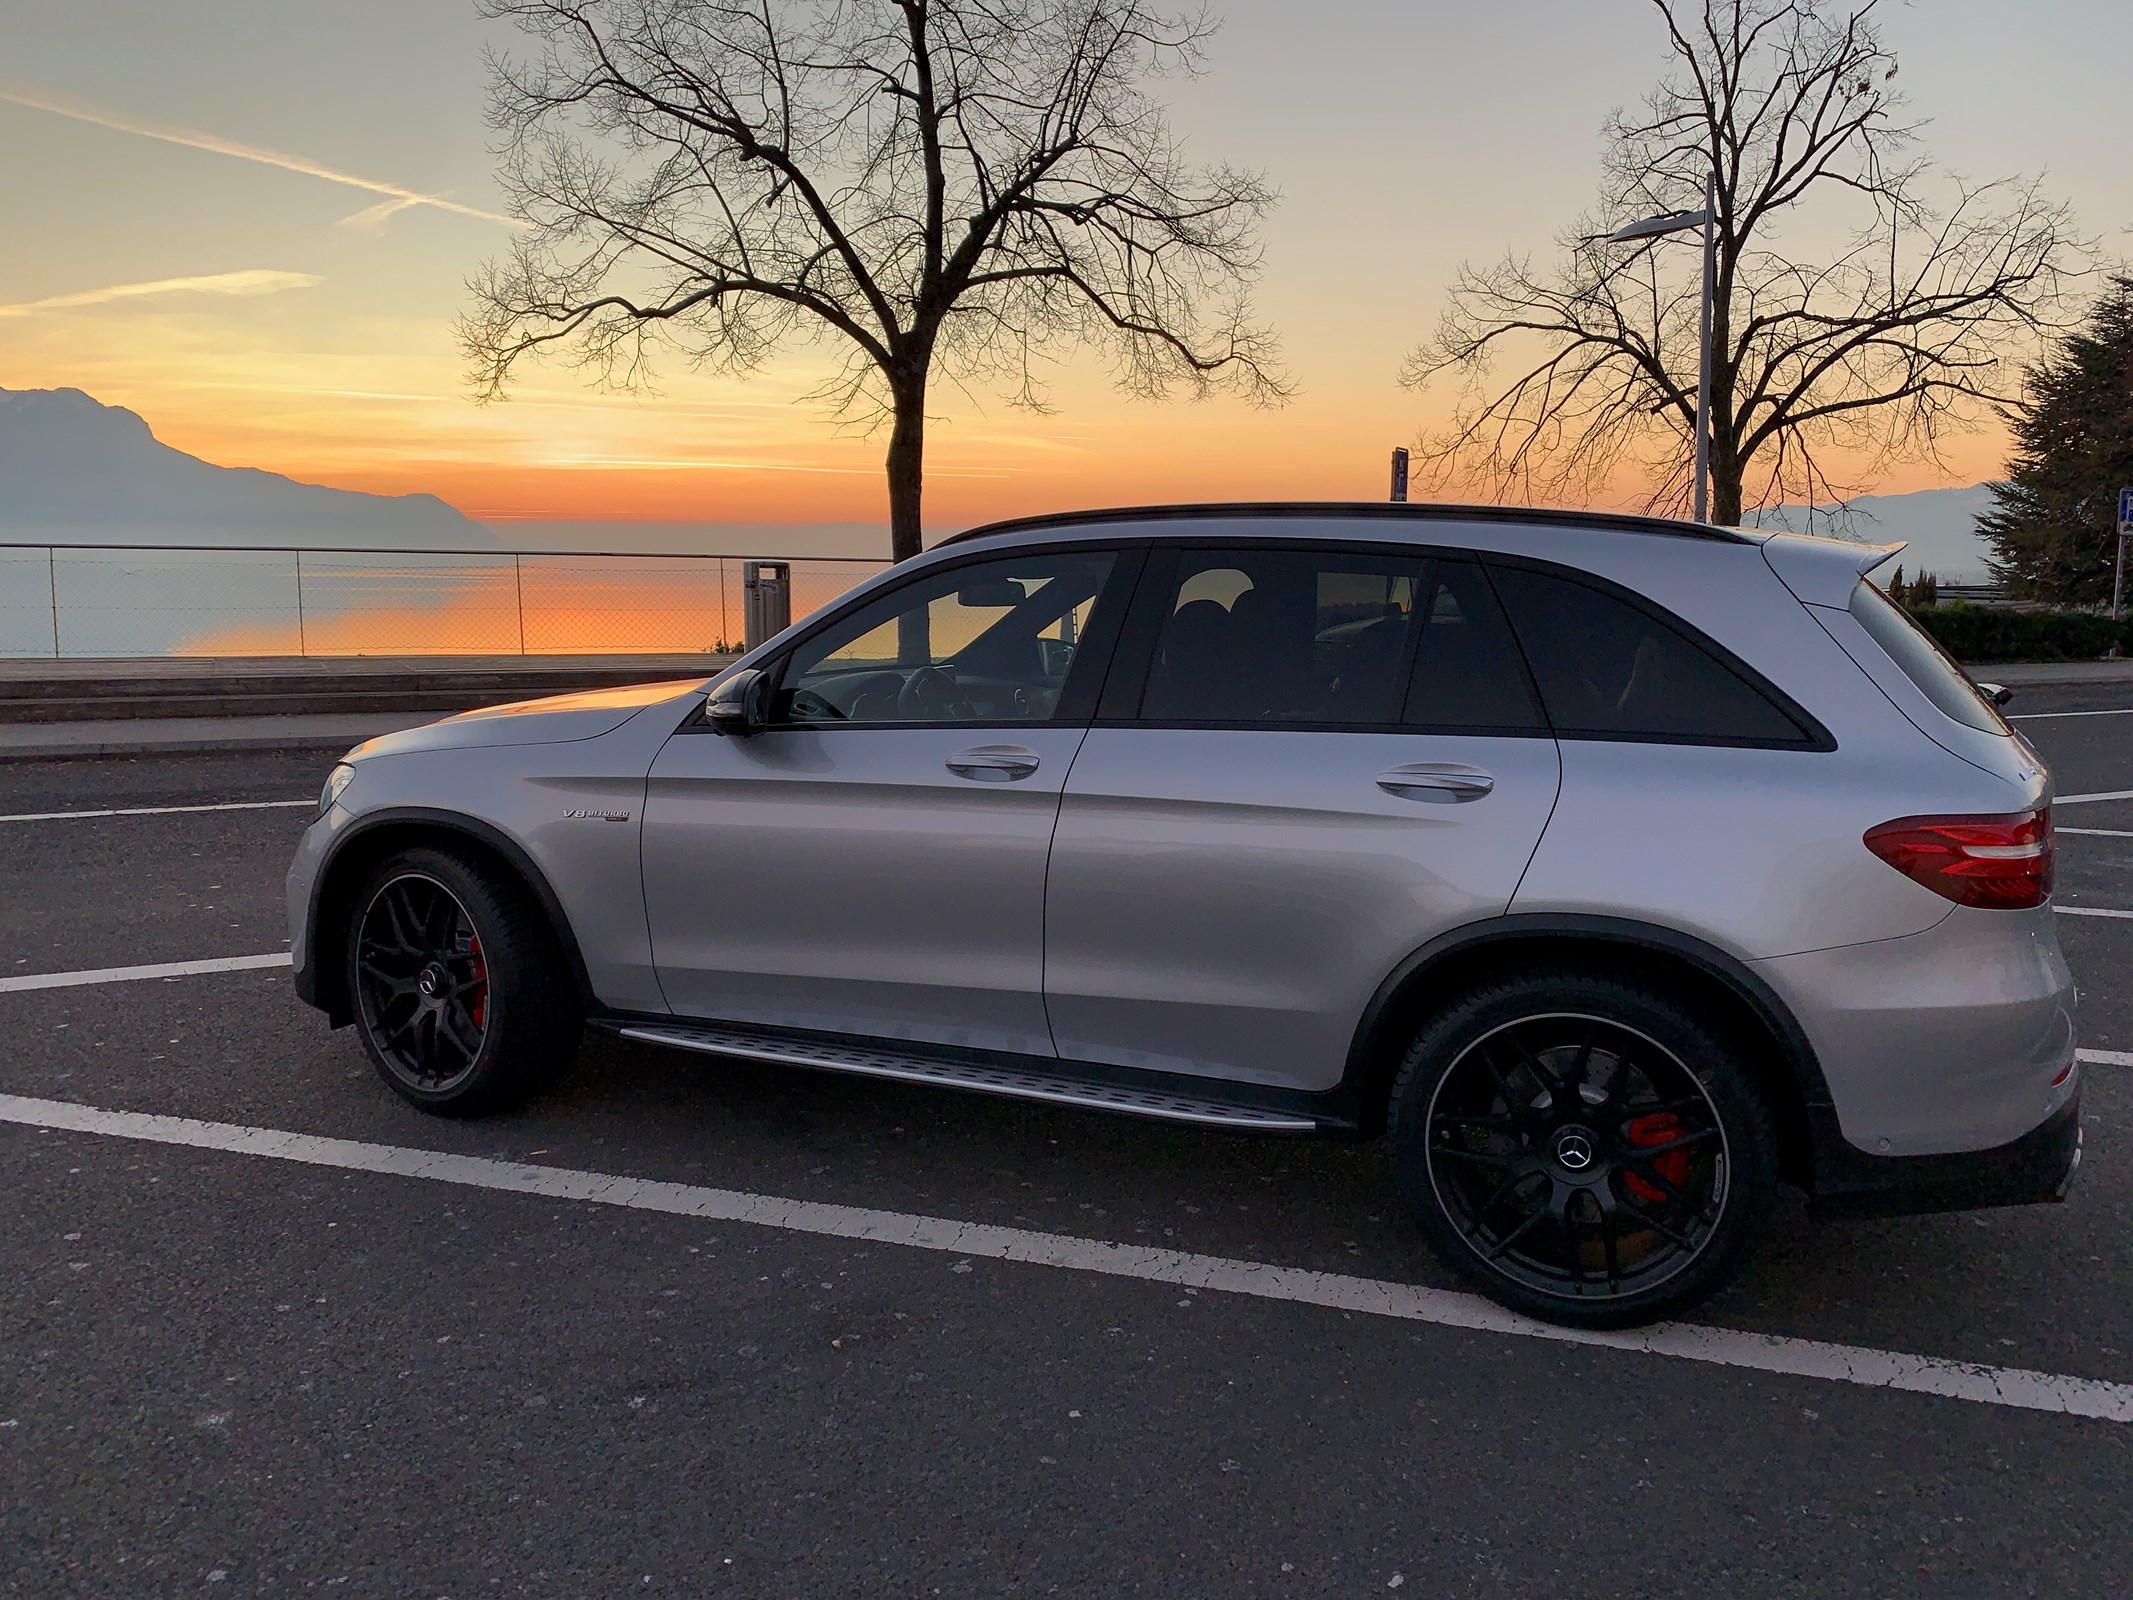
x=1615 y=869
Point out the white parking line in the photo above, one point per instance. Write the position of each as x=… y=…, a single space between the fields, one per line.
x=2091 y=799
x=155 y=811
x=2046 y=716
x=1724 y=1347
x=2099 y=833
x=161 y=969
x=2092 y=911
x=2104 y=1058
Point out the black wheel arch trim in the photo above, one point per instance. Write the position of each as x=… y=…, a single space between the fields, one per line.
x=317 y=986
x=1367 y=1058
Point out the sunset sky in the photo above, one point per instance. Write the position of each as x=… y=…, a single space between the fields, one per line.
x=252 y=220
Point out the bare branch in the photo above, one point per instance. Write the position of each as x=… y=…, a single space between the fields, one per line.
x=945 y=188
x=1908 y=331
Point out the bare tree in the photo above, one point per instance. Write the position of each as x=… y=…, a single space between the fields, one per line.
x=953 y=189
x=1910 y=328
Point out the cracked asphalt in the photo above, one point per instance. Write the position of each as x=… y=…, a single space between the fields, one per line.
x=226 y=1375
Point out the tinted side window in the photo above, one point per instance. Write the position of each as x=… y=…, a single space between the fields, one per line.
x=1608 y=669
x=988 y=642
x=1260 y=635
x=1468 y=673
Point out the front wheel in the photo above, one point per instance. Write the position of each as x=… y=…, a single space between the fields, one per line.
x=1583 y=1149
x=463 y=1002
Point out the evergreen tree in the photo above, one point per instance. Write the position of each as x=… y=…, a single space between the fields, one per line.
x=2052 y=530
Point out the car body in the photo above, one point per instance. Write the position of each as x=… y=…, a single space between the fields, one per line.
x=1226 y=814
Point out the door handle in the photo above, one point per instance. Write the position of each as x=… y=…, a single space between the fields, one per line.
x=993 y=763
x=1440 y=782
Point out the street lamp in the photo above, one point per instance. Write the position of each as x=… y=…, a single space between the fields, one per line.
x=1675 y=222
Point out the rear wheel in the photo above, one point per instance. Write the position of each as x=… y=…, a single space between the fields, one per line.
x=463 y=1002
x=1583 y=1149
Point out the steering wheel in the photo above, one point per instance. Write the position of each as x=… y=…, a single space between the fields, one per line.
x=931 y=695
x=809 y=706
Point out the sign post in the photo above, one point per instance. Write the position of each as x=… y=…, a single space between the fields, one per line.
x=2125 y=531
x=1399 y=473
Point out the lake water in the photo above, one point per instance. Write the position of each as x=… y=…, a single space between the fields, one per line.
x=104 y=601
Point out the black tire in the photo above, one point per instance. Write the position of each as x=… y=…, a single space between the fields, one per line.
x=1581 y=1148
x=462 y=999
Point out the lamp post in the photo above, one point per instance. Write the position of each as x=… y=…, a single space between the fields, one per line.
x=1675 y=222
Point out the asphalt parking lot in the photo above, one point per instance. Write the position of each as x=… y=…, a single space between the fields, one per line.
x=236 y=1364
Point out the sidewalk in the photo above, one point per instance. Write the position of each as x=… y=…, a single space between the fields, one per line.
x=51 y=741
x=138 y=694
x=2037 y=674
x=169 y=706
x=489 y=680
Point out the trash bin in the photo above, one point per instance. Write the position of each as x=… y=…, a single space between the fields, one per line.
x=767 y=589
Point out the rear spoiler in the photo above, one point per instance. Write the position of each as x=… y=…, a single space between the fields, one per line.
x=1823 y=572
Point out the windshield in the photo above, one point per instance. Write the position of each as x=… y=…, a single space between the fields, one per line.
x=1923 y=661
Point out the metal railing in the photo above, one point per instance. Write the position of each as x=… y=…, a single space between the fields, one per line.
x=103 y=600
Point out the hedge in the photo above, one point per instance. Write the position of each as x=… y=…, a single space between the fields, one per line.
x=1987 y=633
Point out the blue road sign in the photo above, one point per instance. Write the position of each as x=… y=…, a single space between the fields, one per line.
x=2125 y=509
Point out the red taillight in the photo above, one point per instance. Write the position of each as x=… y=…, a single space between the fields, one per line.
x=2001 y=863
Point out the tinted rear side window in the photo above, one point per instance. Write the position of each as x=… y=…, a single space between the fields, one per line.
x=1939 y=679
x=1296 y=636
x=1608 y=669
x=1468 y=673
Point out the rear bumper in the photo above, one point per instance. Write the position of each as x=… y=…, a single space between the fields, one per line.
x=2037 y=1167
x=1945 y=1042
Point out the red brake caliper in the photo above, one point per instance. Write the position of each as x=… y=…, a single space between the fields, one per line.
x=478 y=987
x=1661 y=1127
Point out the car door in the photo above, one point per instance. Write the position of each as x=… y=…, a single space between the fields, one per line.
x=872 y=862
x=1311 y=761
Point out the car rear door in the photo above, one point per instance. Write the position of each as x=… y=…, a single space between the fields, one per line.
x=873 y=862
x=1310 y=761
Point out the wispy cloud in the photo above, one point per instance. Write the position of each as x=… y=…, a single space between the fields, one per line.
x=258 y=280
x=397 y=197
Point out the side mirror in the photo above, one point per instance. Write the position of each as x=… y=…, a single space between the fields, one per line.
x=739 y=705
x=1996 y=693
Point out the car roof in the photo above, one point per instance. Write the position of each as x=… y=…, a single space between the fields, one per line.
x=1325 y=511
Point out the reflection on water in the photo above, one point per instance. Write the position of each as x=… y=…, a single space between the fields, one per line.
x=106 y=601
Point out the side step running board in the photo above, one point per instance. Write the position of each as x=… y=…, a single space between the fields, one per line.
x=1019 y=1083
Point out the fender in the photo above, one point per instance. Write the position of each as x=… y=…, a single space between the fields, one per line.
x=321 y=988
x=1364 y=1058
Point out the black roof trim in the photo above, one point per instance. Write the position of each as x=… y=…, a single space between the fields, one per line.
x=1373 y=510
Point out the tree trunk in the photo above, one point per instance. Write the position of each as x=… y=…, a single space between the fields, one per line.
x=907 y=463
x=1725 y=491
x=907 y=480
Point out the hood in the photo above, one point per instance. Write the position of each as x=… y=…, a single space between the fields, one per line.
x=558 y=719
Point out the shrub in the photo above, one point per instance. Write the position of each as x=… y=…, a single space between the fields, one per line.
x=1980 y=633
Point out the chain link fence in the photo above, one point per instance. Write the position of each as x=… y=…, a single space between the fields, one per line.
x=66 y=601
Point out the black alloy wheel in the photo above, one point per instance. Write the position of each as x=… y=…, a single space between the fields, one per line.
x=463 y=996
x=422 y=983
x=1583 y=1149
x=1577 y=1156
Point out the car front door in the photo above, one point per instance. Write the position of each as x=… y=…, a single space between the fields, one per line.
x=872 y=862
x=1310 y=762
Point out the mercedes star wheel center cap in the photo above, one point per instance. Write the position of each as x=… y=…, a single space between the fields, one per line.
x=431 y=981
x=1573 y=1148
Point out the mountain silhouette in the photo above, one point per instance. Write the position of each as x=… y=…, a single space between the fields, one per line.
x=1938 y=525
x=76 y=471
